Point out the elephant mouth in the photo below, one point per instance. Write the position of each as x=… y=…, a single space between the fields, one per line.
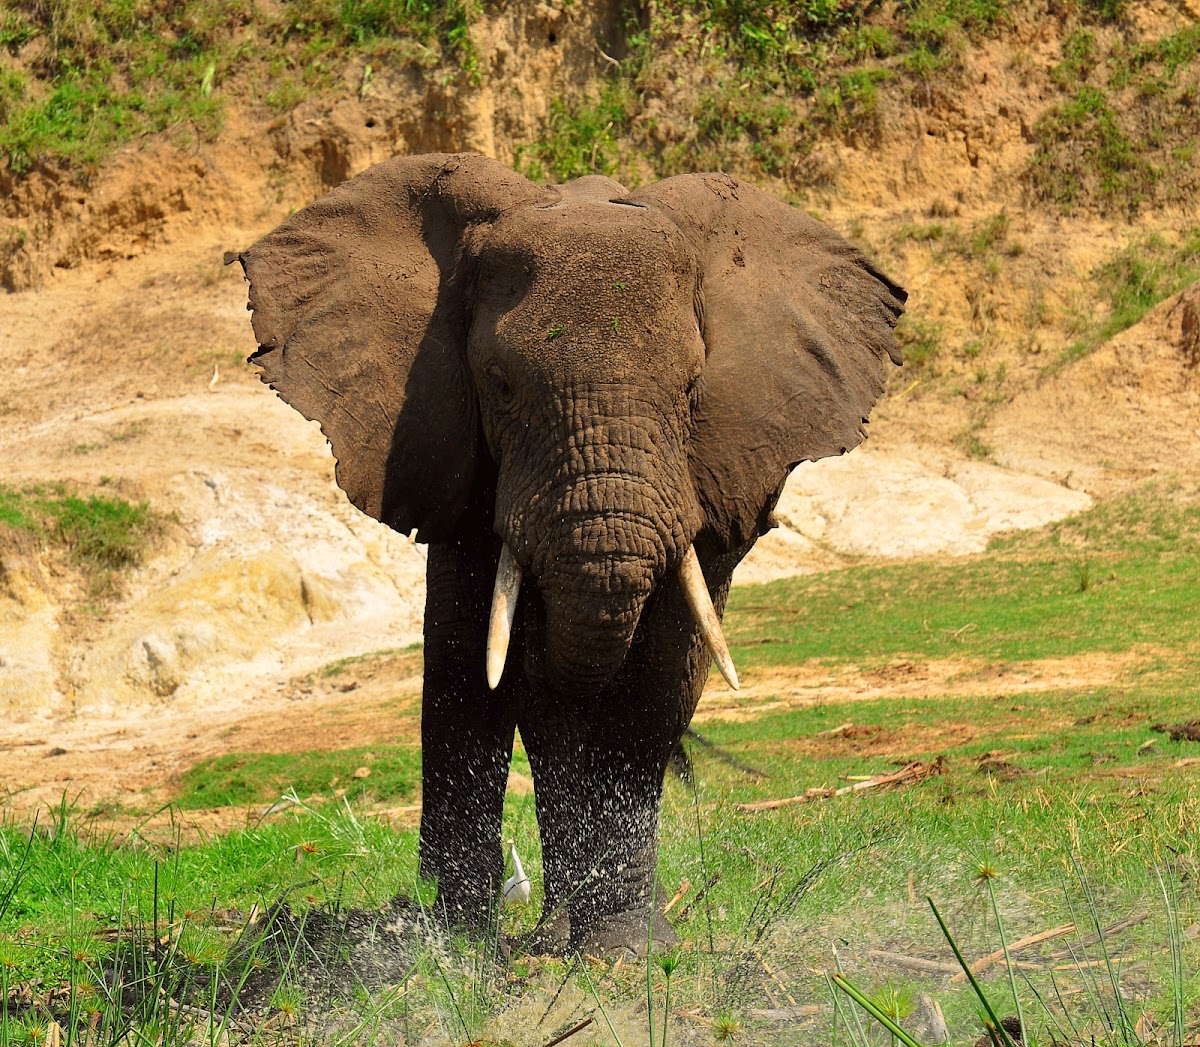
x=690 y=578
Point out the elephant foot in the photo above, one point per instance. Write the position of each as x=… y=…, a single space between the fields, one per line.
x=625 y=934
x=549 y=938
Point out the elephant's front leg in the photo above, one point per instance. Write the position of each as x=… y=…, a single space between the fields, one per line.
x=466 y=737
x=598 y=771
x=597 y=804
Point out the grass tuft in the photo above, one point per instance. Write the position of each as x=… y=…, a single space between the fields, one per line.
x=1134 y=280
x=102 y=536
x=112 y=71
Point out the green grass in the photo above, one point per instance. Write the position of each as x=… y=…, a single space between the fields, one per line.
x=581 y=139
x=1023 y=600
x=114 y=70
x=100 y=534
x=242 y=779
x=1062 y=793
x=1124 y=137
x=776 y=79
x=1134 y=280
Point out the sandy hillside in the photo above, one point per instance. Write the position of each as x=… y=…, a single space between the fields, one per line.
x=123 y=355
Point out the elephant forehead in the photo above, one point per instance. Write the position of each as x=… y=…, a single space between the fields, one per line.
x=588 y=244
x=603 y=282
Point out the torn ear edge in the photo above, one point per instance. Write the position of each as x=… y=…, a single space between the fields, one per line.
x=240 y=257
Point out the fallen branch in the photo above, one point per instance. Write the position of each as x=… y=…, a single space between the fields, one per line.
x=913 y=963
x=993 y=958
x=783 y=1014
x=909 y=774
x=570 y=1032
x=712 y=881
x=683 y=889
x=396 y=813
x=774 y=976
x=1104 y=935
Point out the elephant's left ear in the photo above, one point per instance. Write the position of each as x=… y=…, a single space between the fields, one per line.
x=799 y=329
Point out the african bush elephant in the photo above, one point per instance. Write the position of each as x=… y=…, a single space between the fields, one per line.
x=591 y=398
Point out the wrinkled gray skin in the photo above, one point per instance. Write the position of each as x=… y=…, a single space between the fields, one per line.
x=599 y=379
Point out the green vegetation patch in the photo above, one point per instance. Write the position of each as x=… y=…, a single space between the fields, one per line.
x=1123 y=574
x=98 y=73
x=1125 y=137
x=242 y=779
x=1134 y=280
x=102 y=534
x=580 y=140
x=761 y=84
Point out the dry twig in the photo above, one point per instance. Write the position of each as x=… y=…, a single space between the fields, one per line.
x=909 y=774
x=993 y=958
x=570 y=1032
x=913 y=963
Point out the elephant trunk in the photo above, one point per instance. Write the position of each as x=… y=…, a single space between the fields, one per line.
x=583 y=651
x=588 y=544
x=594 y=576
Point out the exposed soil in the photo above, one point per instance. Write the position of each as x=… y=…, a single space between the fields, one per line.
x=129 y=761
x=124 y=374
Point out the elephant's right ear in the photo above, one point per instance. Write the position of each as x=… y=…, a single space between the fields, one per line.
x=361 y=320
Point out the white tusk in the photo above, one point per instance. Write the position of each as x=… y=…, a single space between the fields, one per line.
x=504 y=609
x=695 y=591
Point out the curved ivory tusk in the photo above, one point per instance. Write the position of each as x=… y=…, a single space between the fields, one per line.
x=504 y=609
x=695 y=591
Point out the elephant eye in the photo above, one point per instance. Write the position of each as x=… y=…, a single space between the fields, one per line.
x=500 y=382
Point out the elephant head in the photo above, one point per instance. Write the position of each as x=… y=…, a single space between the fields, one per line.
x=610 y=375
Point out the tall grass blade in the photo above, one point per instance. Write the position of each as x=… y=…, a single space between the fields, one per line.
x=869 y=1005
x=1008 y=965
x=995 y=1028
x=1124 y=1022
x=1049 y=1011
x=18 y=875
x=703 y=866
x=1175 y=940
x=587 y=977
x=840 y=1016
x=650 y=966
x=862 y=1034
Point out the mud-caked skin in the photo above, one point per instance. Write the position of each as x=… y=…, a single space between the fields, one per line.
x=600 y=380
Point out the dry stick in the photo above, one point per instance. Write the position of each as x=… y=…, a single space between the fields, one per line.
x=913 y=963
x=783 y=1014
x=1108 y=932
x=570 y=1032
x=713 y=880
x=907 y=775
x=684 y=887
x=778 y=981
x=992 y=958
